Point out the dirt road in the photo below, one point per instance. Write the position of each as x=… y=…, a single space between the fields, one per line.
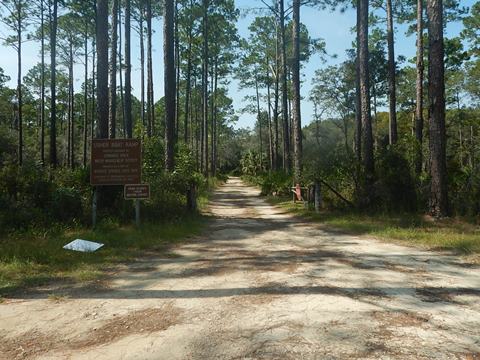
x=260 y=284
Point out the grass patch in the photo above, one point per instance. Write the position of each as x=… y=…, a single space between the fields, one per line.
x=412 y=229
x=34 y=259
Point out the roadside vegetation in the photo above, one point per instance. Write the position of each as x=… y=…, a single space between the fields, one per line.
x=388 y=221
x=32 y=259
x=456 y=234
x=34 y=256
x=43 y=210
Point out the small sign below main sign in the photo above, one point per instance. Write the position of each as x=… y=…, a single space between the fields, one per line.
x=136 y=191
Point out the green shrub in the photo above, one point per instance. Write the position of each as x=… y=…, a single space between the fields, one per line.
x=276 y=183
x=464 y=186
x=252 y=164
x=395 y=188
x=66 y=204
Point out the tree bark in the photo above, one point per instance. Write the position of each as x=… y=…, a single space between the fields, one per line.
x=120 y=73
x=177 y=72
x=42 y=86
x=259 y=120
x=269 y=106
x=205 y=86
x=215 y=125
x=150 y=103
x=358 y=106
x=94 y=105
x=69 y=122
x=393 y=134
x=188 y=84
x=276 y=99
x=419 y=90
x=286 y=132
x=169 y=81
x=112 y=111
x=102 y=69
x=53 y=85
x=296 y=119
x=436 y=94
x=71 y=109
x=367 y=138
x=19 y=83
x=85 y=96
x=142 y=66
x=128 y=72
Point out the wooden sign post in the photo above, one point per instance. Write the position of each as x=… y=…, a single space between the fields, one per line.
x=137 y=192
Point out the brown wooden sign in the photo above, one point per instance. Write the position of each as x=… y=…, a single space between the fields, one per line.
x=136 y=191
x=116 y=162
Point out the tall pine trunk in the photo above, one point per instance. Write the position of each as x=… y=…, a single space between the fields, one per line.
x=112 y=111
x=169 y=81
x=419 y=90
x=276 y=100
x=188 y=85
x=19 y=83
x=205 y=87
x=128 y=72
x=286 y=132
x=102 y=68
x=269 y=106
x=367 y=138
x=358 y=105
x=53 y=85
x=436 y=95
x=259 y=120
x=296 y=118
x=120 y=73
x=42 y=86
x=393 y=135
x=94 y=89
x=71 y=108
x=142 y=65
x=85 y=96
x=215 y=125
x=150 y=103
x=177 y=71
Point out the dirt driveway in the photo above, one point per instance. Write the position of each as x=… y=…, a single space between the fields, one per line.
x=260 y=284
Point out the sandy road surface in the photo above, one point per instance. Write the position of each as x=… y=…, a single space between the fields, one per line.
x=260 y=285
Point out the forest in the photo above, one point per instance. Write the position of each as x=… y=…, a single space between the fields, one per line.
x=389 y=134
x=239 y=179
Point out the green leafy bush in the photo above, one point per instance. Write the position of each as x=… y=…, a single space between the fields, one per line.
x=66 y=204
x=276 y=183
x=395 y=188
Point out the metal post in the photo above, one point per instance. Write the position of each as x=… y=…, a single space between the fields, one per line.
x=137 y=212
x=94 y=207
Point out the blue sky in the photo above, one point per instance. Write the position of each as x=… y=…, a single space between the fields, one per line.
x=334 y=28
